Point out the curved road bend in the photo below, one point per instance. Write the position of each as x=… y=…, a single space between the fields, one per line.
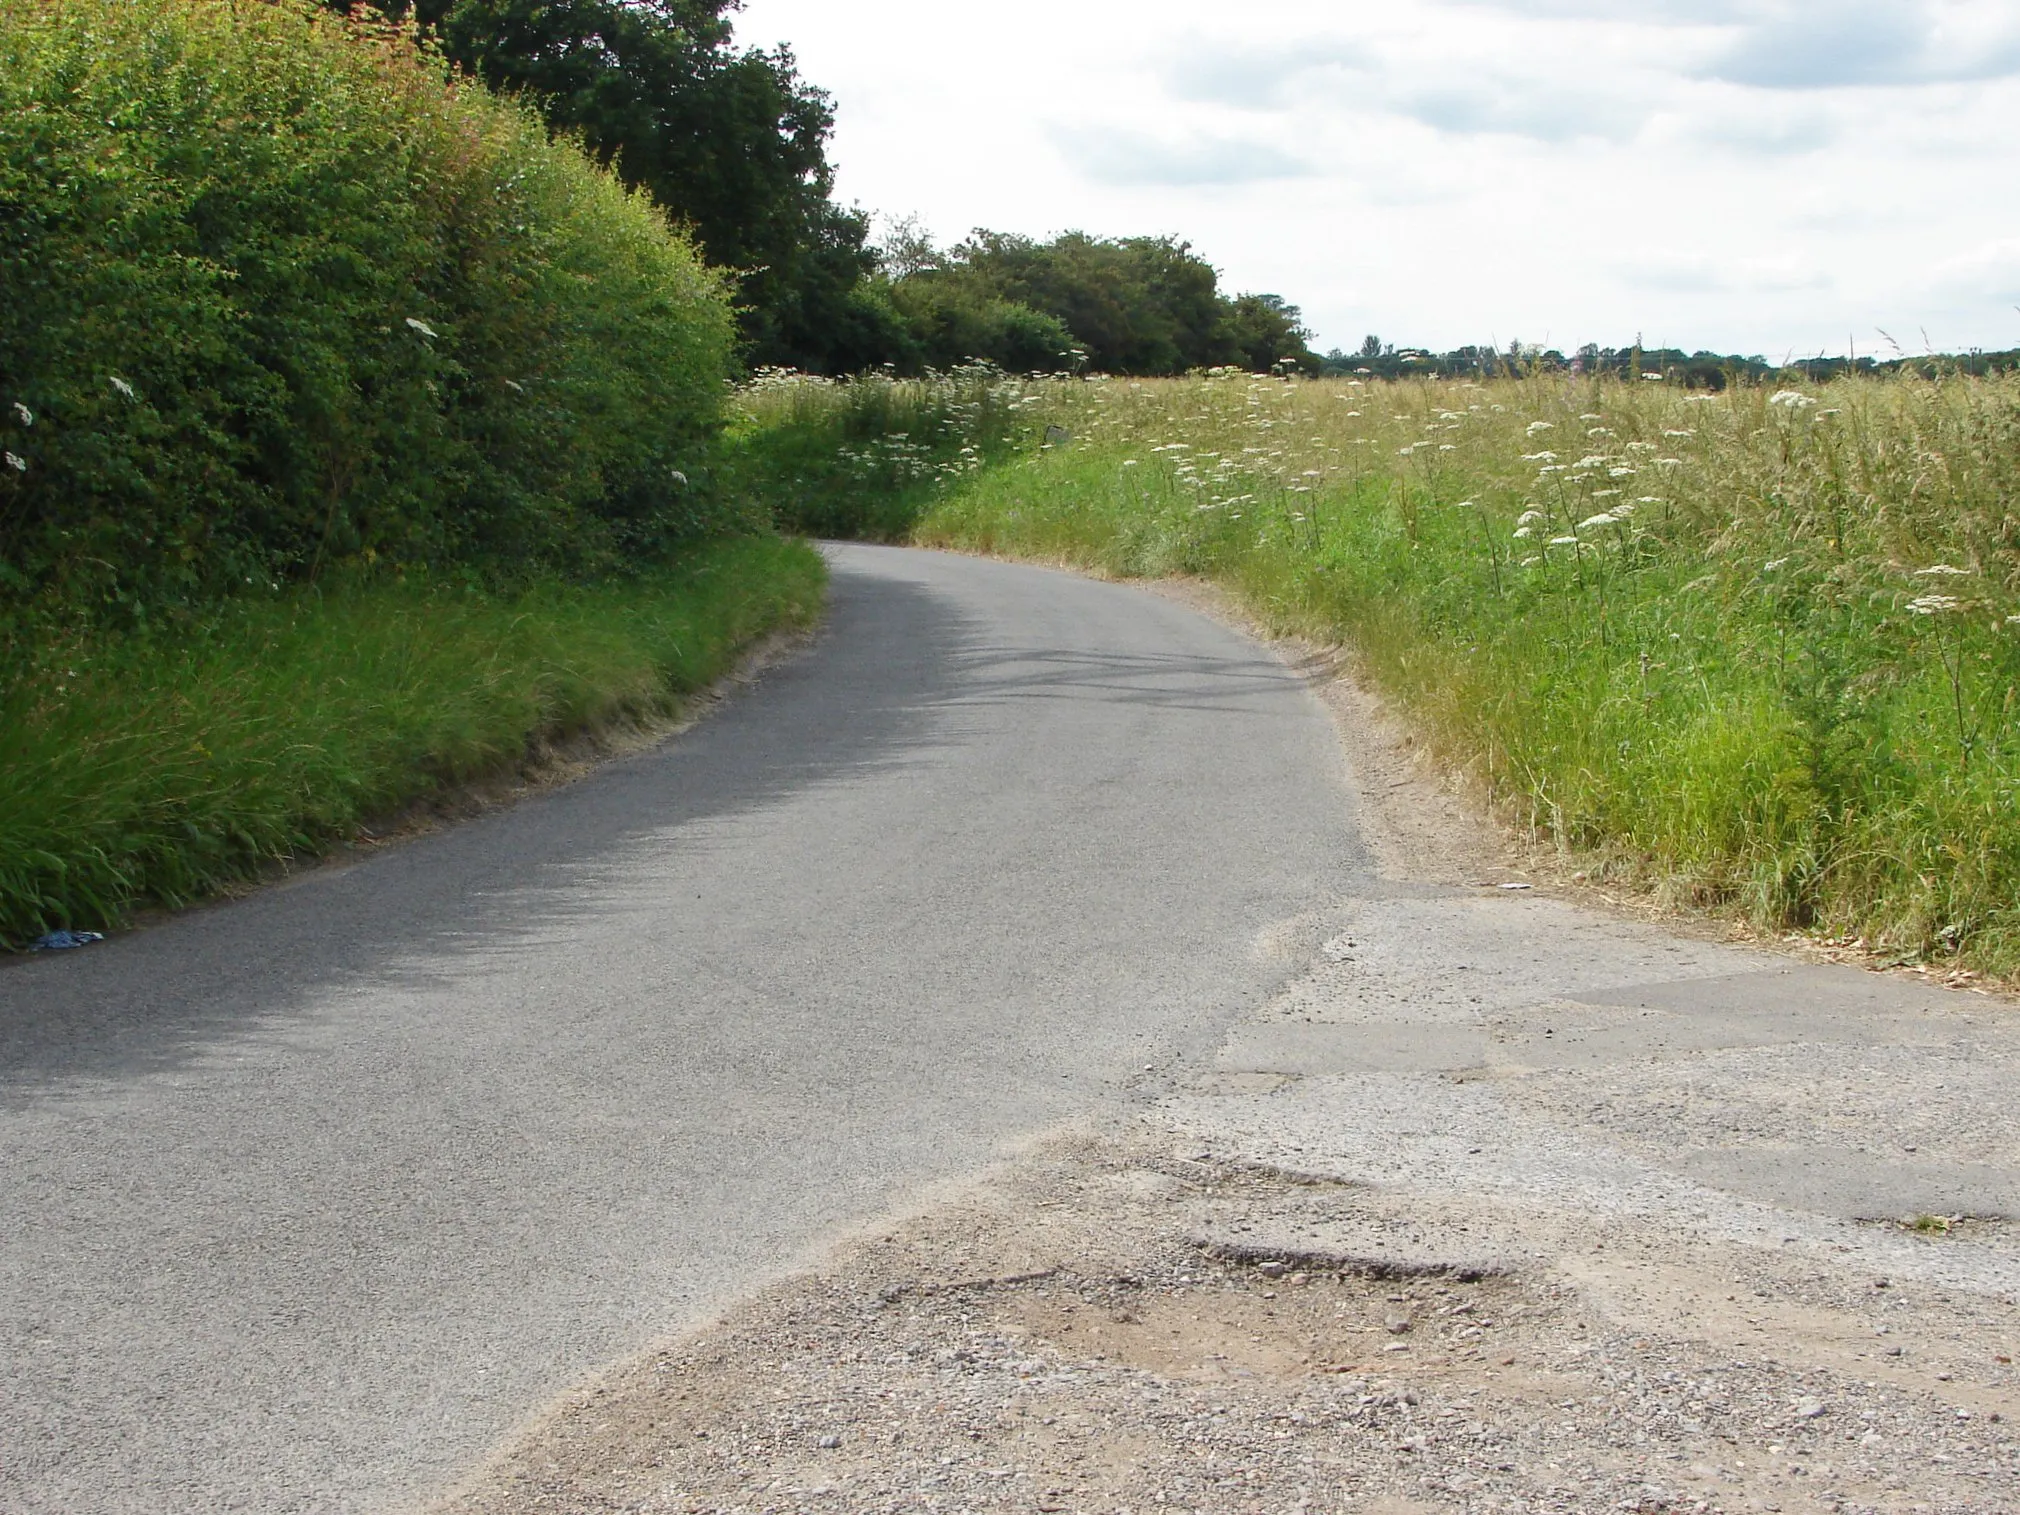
x=310 y=1198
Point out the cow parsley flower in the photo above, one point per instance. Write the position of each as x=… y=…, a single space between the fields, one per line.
x=18 y=464
x=422 y=327
x=1932 y=604
x=125 y=389
x=27 y=416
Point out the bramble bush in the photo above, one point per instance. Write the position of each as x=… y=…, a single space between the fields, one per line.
x=284 y=299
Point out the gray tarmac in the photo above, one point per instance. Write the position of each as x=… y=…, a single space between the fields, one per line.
x=311 y=1198
x=316 y=1199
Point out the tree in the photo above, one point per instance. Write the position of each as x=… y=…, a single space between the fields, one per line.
x=731 y=143
x=1137 y=305
x=1271 y=334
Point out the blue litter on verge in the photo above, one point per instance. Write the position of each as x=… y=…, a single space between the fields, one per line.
x=60 y=941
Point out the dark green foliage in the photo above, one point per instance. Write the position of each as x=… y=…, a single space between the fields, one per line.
x=1138 y=305
x=279 y=302
x=953 y=321
x=164 y=767
x=1271 y=335
x=730 y=142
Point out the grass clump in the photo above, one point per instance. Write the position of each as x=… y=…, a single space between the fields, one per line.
x=1760 y=648
x=157 y=769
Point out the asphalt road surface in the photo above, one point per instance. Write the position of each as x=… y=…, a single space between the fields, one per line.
x=308 y=1200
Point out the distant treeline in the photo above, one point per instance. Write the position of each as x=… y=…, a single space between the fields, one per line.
x=1131 y=305
x=1696 y=370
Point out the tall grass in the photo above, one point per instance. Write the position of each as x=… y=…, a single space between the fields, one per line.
x=864 y=457
x=161 y=768
x=1761 y=648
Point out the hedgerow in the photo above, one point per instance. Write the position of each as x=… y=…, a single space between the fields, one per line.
x=283 y=299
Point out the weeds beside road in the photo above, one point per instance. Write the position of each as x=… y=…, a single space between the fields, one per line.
x=161 y=769
x=1758 y=648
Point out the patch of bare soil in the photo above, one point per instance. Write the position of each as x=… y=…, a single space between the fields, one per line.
x=1117 y=1324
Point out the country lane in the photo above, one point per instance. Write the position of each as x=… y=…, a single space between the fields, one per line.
x=311 y=1198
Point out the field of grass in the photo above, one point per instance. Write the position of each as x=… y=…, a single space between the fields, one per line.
x=159 y=769
x=1758 y=649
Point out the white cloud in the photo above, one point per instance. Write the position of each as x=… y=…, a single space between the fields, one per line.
x=1987 y=272
x=1803 y=44
x=1742 y=174
x=1118 y=156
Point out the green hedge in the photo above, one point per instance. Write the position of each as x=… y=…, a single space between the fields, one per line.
x=281 y=299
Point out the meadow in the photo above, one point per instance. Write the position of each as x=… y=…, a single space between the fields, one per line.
x=1757 y=650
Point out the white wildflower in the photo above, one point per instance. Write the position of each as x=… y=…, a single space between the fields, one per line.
x=1651 y=376
x=1621 y=473
x=1591 y=415
x=1564 y=541
x=1447 y=447
x=1529 y=518
x=1602 y=519
x=1649 y=499
x=1539 y=457
x=515 y=386
x=1772 y=564
x=1129 y=462
x=18 y=464
x=1532 y=562
x=1932 y=604
x=1523 y=531
x=1679 y=433
x=1535 y=426
x=1791 y=399
x=677 y=476
x=422 y=327
x=1602 y=494
x=125 y=389
x=27 y=416
x=1669 y=462
x=1942 y=571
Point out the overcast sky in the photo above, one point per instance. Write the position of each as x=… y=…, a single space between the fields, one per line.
x=1744 y=175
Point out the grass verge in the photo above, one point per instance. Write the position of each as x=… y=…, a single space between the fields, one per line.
x=158 y=770
x=1758 y=651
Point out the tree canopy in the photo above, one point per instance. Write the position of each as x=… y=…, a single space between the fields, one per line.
x=730 y=142
x=1131 y=305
